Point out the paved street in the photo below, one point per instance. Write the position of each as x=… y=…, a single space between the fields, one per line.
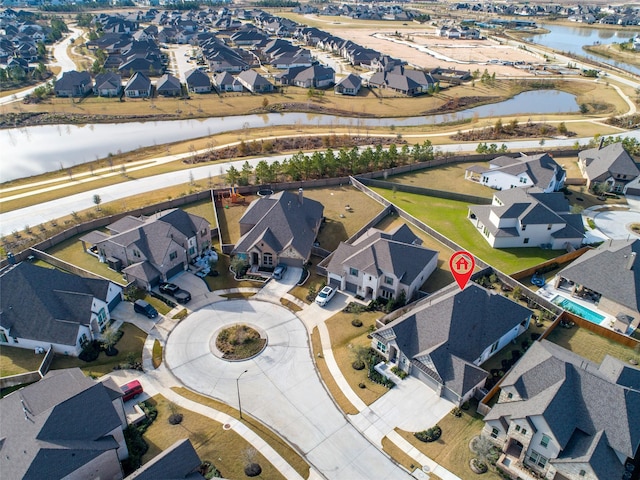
x=281 y=387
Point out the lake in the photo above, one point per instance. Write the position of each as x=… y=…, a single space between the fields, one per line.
x=34 y=150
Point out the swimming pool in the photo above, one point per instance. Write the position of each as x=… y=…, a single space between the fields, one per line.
x=577 y=309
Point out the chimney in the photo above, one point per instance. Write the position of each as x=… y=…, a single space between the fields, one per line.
x=631 y=260
x=300 y=196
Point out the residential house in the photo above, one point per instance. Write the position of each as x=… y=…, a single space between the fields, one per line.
x=610 y=167
x=73 y=84
x=168 y=86
x=138 y=86
x=443 y=342
x=279 y=228
x=198 y=81
x=64 y=426
x=527 y=217
x=179 y=461
x=150 y=250
x=404 y=80
x=254 y=82
x=225 y=82
x=46 y=307
x=317 y=76
x=609 y=276
x=506 y=172
x=381 y=264
x=560 y=416
x=349 y=85
x=108 y=84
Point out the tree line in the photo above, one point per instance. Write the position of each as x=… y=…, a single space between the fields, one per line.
x=343 y=162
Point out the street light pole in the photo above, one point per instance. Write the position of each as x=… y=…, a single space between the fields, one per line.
x=238 y=390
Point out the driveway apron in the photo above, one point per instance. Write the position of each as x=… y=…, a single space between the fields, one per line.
x=280 y=387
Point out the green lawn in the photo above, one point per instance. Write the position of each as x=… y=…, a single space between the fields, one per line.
x=591 y=345
x=14 y=360
x=204 y=209
x=449 y=217
x=130 y=345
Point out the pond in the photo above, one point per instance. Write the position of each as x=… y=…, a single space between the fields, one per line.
x=35 y=150
x=572 y=39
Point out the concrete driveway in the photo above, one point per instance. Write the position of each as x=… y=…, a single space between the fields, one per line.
x=280 y=387
x=614 y=223
x=274 y=289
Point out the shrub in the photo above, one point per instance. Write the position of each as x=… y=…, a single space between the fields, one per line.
x=252 y=470
x=90 y=351
x=356 y=322
x=456 y=412
x=208 y=470
x=399 y=372
x=175 y=418
x=358 y=365
x=429 y=435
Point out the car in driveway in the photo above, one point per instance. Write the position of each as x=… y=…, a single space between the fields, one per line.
x=145 y=308
x=278 y=272
x=182 y=296
x=325 y=295
x=131 y=390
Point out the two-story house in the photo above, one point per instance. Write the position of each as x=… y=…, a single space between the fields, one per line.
x=562 y=417
x=43 y=307
x=444 y=341
x=64 y=426
x=150 y=250
x=381 y=264
x=527 y=217
x=505 y=172
x=279 y=228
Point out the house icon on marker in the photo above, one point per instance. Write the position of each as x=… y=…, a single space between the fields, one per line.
x=462 y=264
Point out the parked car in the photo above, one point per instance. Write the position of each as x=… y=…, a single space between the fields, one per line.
x=131 y=390
x=325 y=295
x=278 y=272
x=145 y=308
x=182 y=296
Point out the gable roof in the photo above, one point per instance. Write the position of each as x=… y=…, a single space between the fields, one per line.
x=583 y=406
x=139 y=81
x=282 y=221
x=46 y=304
x=108 y=81
x=168 y=82
x=610 y=160
x=541 y=168
x=445 y=337
x=378 y=252
x=606 y=271
x=350 y=81
x=47 y=429
x=197 y=78
x=179 y=461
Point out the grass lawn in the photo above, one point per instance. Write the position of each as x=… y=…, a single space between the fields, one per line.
x=71 y=251
x=225 y=279
x=591 y=345
x=345 y=339
x=314 y=280
x=277 y=443
x=130 y=344
x=14 y=360
x=204 y=209
x=225 y=449
x=449 y=217
x=400 y=456
x=336 y=393
x=451 y=450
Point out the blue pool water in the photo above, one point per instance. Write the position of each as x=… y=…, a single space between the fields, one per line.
x=573 y=307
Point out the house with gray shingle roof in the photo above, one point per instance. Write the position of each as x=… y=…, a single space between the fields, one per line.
x=73 y=84
x=610 y=276
x=179 y=461
x=168 y=86
x=254 y=82
x=349 y=85
x=198 y=81
x=225 y=82
x=381 y=264
x=317 y=76
x=43 y=307
x=108 y=84
x=138 y=86
x=611 y=167
x=150 y=250
x=527 y=217
x=444 y=342
x=505 y=172
x=565 y=417
x=64 y=426
x=279 y=228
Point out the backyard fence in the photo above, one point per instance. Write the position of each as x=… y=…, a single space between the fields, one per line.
x=29 y=377
x=562 y=259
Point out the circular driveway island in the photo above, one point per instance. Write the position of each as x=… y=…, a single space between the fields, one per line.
x=281 y=387
x=615 y=223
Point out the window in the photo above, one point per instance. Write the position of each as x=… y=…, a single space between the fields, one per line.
x=523 y=180
x=267 y=259
x=388 y=280
x=582 y=473
x=173 y=255
x=136 y=253
x=523 y=227
x=495 y=432
x=83 y=340
x=524 y=431
x=536 y=459
x=510 y=395
x=102 y=317
x=526 y=240
x=382 y=347
x=3 y=337
x=545 y=441
x=517 y=428
x=203 y=233
x=385 y=294
x=485 y=231
x=549 y=227
x=192 y=250
x=494 y=347
x=353 y=272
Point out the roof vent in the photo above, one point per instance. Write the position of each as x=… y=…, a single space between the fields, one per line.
x=631 y=260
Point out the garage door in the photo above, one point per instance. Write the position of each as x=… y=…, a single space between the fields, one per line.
x=114 y=302
x=175 y=270
x=351 y=287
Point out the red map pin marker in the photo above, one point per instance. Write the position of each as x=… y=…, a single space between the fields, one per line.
x=462 y=264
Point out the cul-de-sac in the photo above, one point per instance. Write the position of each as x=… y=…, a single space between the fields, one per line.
x=310 y=240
